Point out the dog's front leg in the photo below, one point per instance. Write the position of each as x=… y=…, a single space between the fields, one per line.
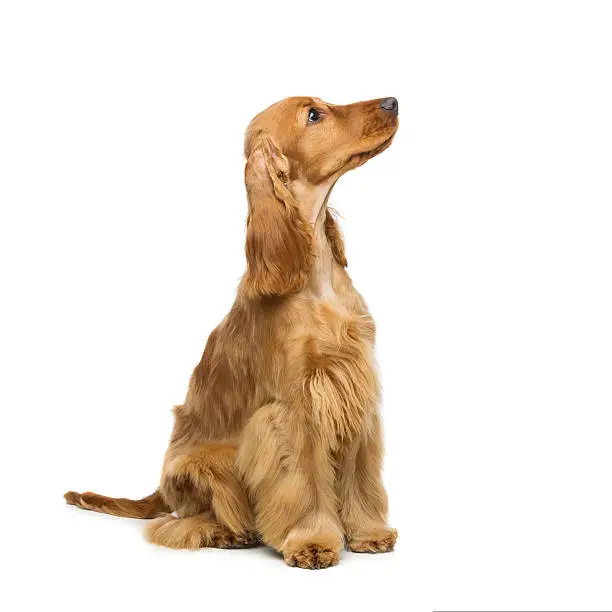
x=362 y=496
x=290 y=477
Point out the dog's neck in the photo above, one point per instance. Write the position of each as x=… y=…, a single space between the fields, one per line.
x=312 y=201
x=322 y=274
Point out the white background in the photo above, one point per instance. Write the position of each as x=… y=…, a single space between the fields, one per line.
x=481 y=240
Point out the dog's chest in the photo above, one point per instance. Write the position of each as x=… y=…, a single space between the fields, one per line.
x=339 y=377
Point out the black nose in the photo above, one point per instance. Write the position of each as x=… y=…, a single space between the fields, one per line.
x=390 y=105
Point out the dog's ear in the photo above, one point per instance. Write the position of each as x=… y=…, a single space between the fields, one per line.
x=334 y=237
x=279 y=240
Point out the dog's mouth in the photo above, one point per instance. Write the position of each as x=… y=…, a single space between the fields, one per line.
x=378 y=143
x=362 y=157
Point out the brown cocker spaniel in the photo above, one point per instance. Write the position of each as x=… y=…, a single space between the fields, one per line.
x=279 y=438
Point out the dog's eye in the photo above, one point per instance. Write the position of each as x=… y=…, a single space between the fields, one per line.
x=313 y=115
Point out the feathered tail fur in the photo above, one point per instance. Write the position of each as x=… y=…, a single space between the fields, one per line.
x=148 y=507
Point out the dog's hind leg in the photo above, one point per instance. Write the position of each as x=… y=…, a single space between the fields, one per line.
x=201 y=485
x=197 y=531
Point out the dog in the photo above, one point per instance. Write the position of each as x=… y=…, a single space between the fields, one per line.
x=279 y=438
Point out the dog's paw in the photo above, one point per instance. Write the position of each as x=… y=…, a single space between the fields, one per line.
x=375 y=541
x=224 y=538
x=312 y=556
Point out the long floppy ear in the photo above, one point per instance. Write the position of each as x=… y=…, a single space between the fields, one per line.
x=334 y=237
x=279 y=241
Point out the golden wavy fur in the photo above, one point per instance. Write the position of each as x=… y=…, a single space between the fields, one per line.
x=279 y=438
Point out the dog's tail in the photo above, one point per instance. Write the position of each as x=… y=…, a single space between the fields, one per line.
x=148 y=507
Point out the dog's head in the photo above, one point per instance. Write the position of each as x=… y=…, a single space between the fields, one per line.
x=296 y=148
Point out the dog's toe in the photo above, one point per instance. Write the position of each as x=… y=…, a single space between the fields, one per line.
x=379 y=541
x=313 y=556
